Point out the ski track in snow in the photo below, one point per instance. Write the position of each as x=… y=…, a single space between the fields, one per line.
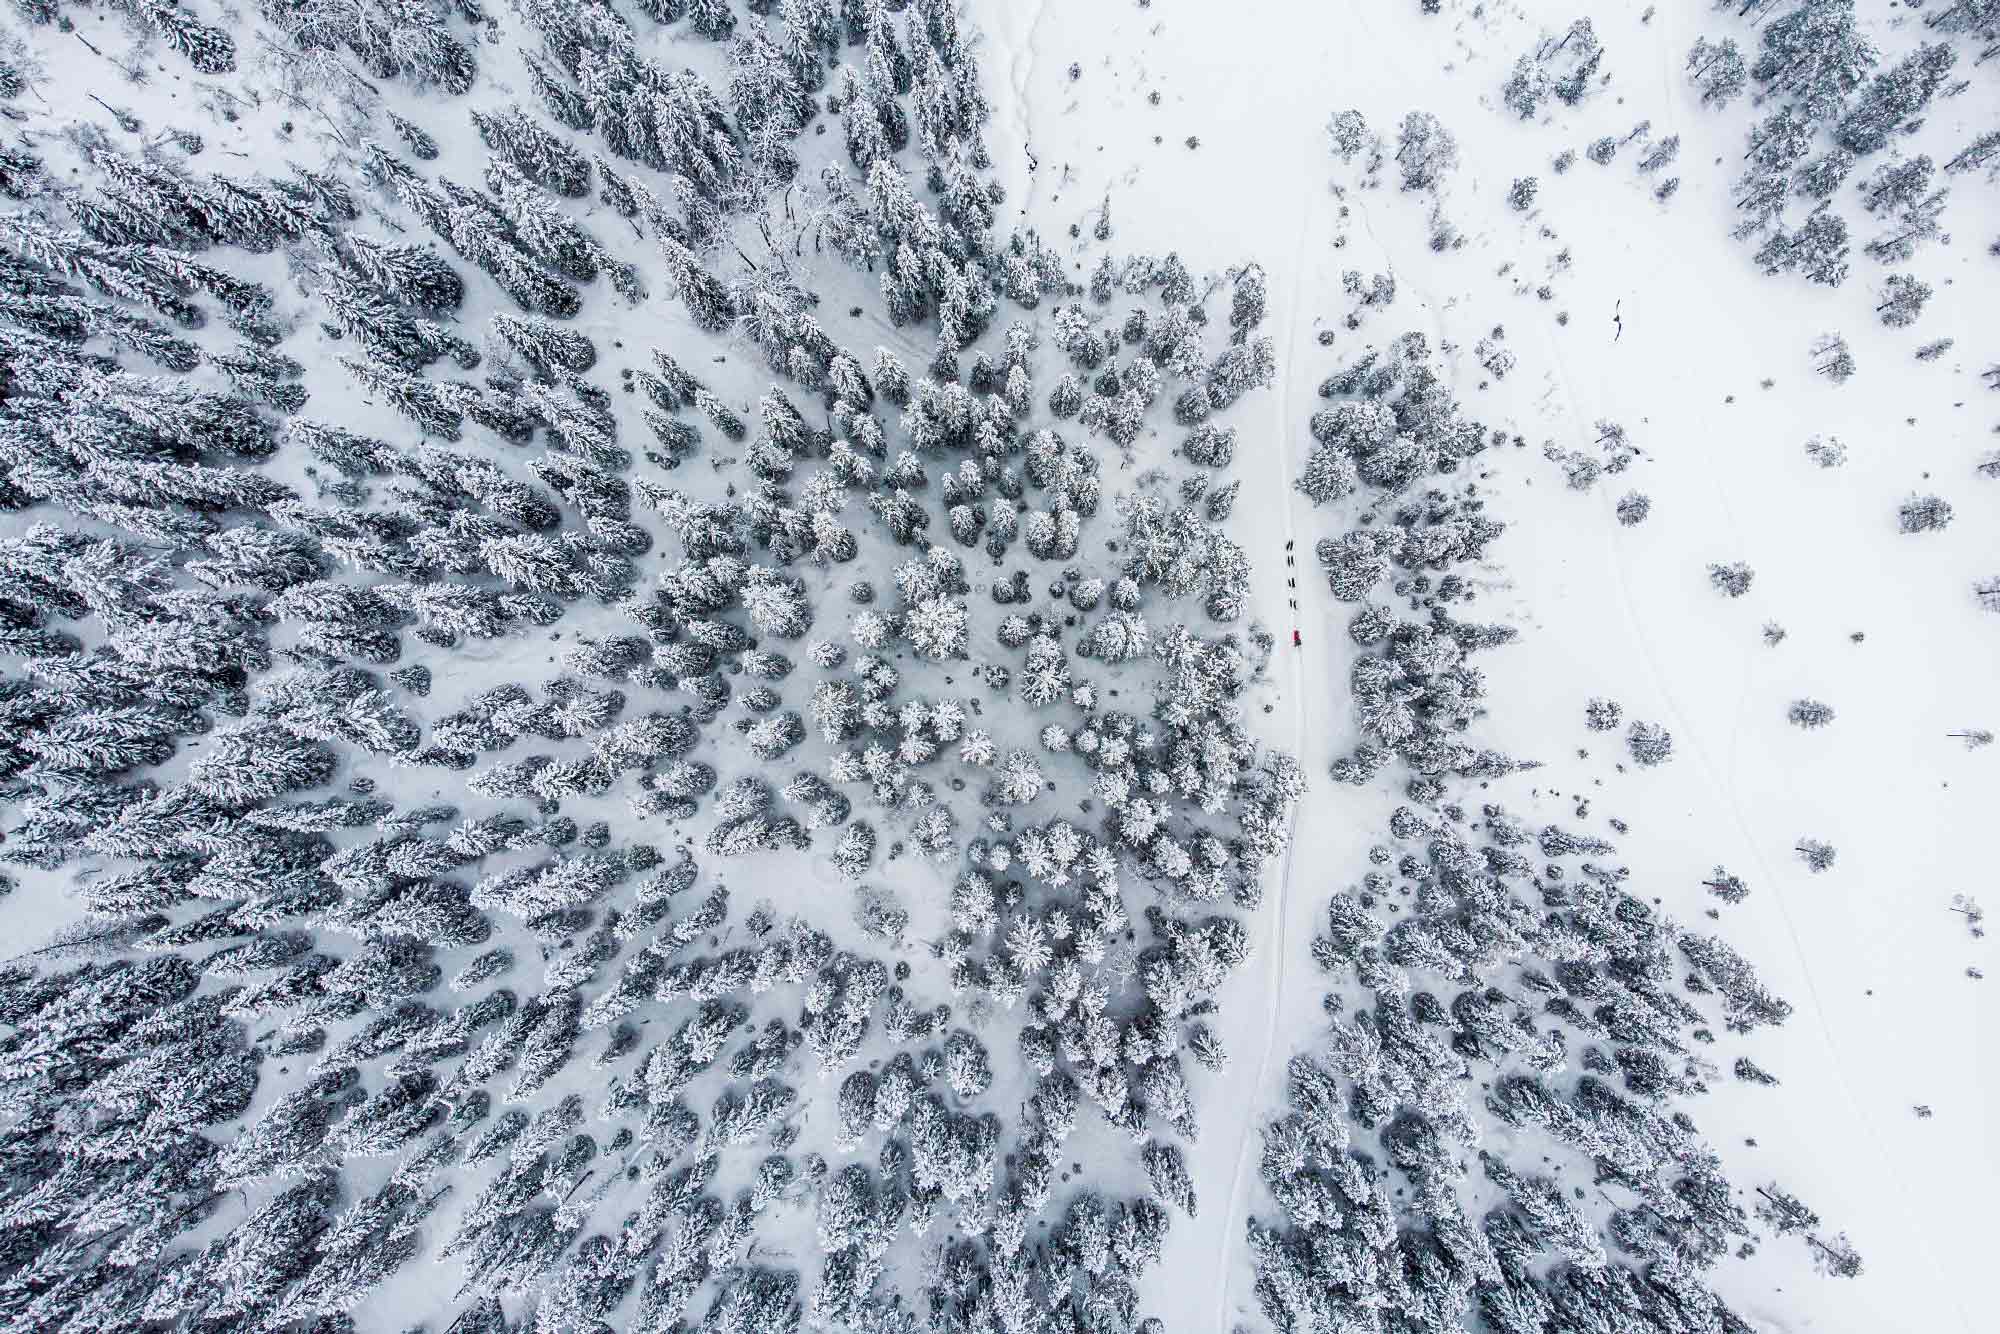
x=1300 y=283
x=1244 y=1111
x=1723 y=779
x=1020 y=74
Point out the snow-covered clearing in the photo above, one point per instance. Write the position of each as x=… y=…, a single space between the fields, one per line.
x=1869 y=952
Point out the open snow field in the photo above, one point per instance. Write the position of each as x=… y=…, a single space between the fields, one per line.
x=1869 y=952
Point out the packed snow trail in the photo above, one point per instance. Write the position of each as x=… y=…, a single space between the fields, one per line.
x=1020 y=74
x=1300 y=282
x=1244 y=1112
x=1267 y=1009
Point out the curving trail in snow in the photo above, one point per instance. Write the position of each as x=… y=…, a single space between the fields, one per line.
x=1722 y=778
x=1020 y=77
x=1723 y=724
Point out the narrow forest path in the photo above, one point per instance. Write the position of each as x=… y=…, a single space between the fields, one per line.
x=1277 y=558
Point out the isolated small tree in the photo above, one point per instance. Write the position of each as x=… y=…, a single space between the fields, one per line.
x=1835 y=1257
x=1731 y=580
x=1832 y=358
x=1785 y=1213
x=966 y=1067
x=1350 y=133
x=1425 y=151
x=1818 y=856
x=1650 y=744
x=1603 y=715
x=1661 y=154
x=1729 y=888
x=1980 y=152
x=1526 y=88
x=1903 y=298
x=1020 y=779
x=855 y=851
x=1788 y=1216
x=1923 y=514
x=1522 y=195
x=1633 y=507
x=1975 y=916
x=1809 y=714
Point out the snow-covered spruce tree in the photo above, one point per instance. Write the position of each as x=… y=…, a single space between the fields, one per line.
x=537 y=152
x=1816 y=55
x=1923 y=514
x=1732 y=580
x=1718 y=69
x=1903 y=300
x=1832 y=358
x=1649 y=743
x=1563 y=66
x=1893 y=97
x=1818 y=249
x=1426 y=152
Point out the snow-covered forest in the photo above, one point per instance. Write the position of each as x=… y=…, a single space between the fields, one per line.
x=751 y=666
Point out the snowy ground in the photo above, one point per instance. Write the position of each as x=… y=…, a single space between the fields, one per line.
x=1869 y=952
